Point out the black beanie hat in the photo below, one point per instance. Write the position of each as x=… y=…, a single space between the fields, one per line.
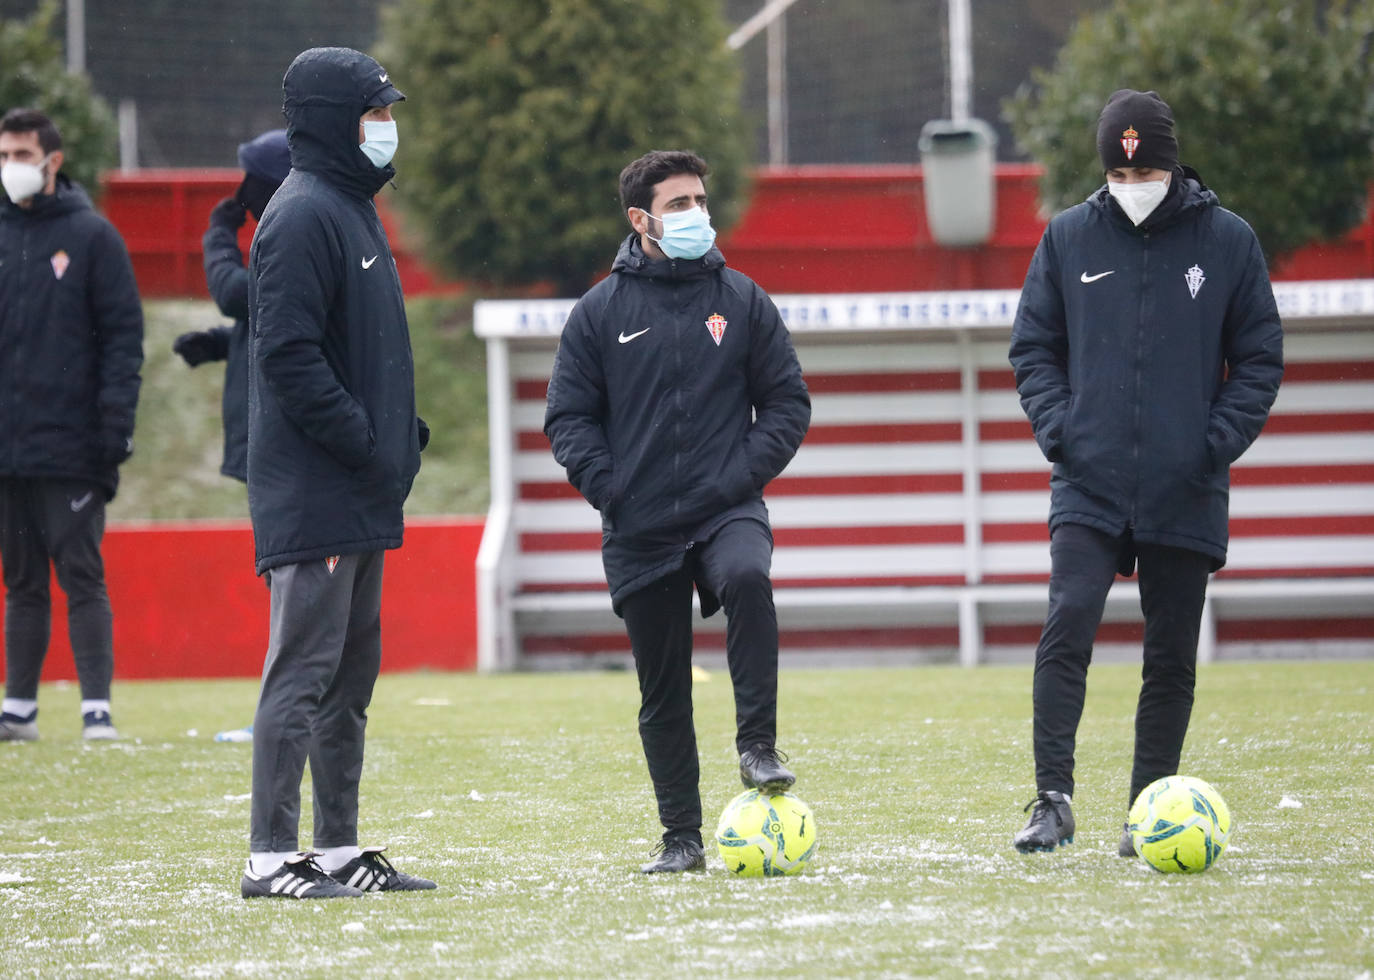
x=266 y=156
x=1136 y=129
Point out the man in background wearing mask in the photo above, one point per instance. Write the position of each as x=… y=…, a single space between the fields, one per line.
x=1147 y=349
x=265 y=161
x=675 y=398
x=333 y=446
x=71 y=346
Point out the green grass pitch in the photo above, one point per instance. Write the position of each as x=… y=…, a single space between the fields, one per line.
x=525 y=796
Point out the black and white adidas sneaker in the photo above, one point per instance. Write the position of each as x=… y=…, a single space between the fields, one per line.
x=298 y=877
x=371 y=872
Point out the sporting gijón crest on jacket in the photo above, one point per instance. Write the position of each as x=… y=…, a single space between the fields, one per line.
x=676 y=396
x=1146 y=359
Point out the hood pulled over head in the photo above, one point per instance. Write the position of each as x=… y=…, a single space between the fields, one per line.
x=325 y=93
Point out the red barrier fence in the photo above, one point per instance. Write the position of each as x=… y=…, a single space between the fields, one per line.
x=162 y=215
x=806 y=230
x=187 y=604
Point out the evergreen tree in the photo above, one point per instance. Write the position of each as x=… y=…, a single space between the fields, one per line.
x=33 y=75
x=1274 y=103
x=522 y=113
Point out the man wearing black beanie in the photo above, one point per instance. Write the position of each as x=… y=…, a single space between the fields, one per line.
x=1147 y=349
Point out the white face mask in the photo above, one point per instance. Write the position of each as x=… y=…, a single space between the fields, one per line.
x=379 y=141
x=23 y=180
x=1138 y=200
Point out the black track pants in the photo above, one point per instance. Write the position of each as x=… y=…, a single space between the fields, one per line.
x=57 y=525
x=323 y=656
x=1173 y=584
x=733 y=565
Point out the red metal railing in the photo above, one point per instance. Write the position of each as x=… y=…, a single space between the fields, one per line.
x=806 y=230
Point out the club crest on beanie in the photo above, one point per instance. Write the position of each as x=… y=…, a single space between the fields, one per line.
x=1136 y=129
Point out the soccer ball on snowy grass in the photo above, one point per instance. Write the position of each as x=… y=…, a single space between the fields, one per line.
x=762 y=836
x=1179 y=823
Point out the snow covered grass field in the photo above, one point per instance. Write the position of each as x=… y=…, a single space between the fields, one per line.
x=526 y=798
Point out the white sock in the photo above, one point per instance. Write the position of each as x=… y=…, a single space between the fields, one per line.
x=88 y=706
x=265 y=863
x=20 y=707
x=331 y=859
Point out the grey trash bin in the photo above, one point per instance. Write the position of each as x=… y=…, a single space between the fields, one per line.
x=957 y=160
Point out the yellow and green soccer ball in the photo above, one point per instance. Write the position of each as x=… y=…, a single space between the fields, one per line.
x=762 y=836
x=1179 y=823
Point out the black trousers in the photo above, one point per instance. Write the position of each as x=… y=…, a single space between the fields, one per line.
x=734 y=565
x=323 y=656
x=1173 y=584
x=48 y=525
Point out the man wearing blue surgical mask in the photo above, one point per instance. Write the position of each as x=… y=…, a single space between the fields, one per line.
x=333 y=446
x=675 y=398
x=1147 y=350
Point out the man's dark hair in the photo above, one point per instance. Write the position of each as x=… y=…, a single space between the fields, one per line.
x=33 y=121
x=638 y=179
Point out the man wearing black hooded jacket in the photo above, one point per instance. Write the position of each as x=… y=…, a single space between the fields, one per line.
x=1147 y=349
x=71 y=346
x=333 y=446
x=675 y=398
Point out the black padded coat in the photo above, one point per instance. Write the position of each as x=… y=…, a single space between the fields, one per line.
x=676 y=396
x=1147 y=359
x=333 y=438
x=71 y=340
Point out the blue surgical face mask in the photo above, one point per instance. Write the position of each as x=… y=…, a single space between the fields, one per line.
x=686 y=234
x=379 y=141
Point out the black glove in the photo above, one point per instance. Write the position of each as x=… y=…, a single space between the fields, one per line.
x=115 y=447
x=196 y=347
x=424 y=432
x=229 y=213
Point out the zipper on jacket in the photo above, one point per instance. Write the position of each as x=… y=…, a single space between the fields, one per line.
x=1139 y=376
x=677 y=400
x=20 y=314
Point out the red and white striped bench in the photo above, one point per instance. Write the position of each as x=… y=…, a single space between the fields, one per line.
x=911 y=525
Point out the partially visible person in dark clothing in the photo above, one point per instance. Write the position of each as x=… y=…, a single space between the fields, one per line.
x=71 y=348
x=266 y=162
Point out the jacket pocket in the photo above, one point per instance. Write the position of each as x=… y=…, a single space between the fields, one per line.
x=1059 y=444
x=357 y=455
x=1208 y=464
x=736 y=482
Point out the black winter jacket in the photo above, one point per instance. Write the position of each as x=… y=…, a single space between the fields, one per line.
x=227 y=279
x=1146 y=359
x=71 y=340
x=675 y=398
x=333 y=439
